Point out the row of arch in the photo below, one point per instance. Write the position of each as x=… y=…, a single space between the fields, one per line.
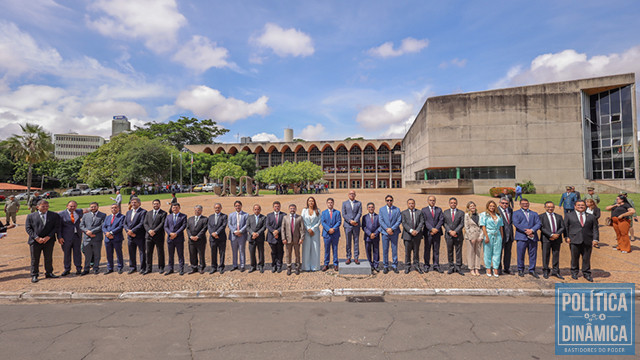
x=301 y=147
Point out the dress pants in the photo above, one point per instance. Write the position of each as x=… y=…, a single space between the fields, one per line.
x=410 y=246
x=46 y=249
x=454 y=244
x=137 y=244
x=621 y=227
x=289 y=248
x=372 y=248
x=238 y=248
x=492 y=251
x=353 y=236
x=331 y=244
x=432 y=242
x=70 y=246
x=197 y=250
x=150 y=243
x=92 y=251
x=11 y=216
x=583 y=250
x=109 y=247
x=277 y=254
x=551 y=248
x=393 y=241
x=218 y=248
x=506 y=254
x=532 y=248
x=474 y=254
x=253 y=246
x=173 y=247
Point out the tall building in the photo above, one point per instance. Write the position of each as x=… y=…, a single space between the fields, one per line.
x=119 y=124
x=73 y=145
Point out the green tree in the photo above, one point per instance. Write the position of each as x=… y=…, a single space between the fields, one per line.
x=43 y=172
x=184 y=131
x=220 y=170
x=101 y=167
x=246 y=161
x=290 y=173
x=143 y=160
x=32 y=146
x=68 y=171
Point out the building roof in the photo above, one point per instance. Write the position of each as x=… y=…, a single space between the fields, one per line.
x=14 y=187
x=295 y=146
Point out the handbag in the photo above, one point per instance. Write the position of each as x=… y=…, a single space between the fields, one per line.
x=608 y=221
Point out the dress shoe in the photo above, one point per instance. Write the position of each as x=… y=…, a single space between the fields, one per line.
x=181 y=272
x=108 y=272
x=141 y=271
x=84 y=273
x=533 y=273
x=385 y=270
x=146 y=272
x=356 y=261
x=588 y=278
x=168 y=272
x=201 y=271
x=252 y=270
x=406 y=271
x=521 y=273
x=545 y=274
x=325 y=268
x=96 y=271
x=78 y=272
x=120 y=271
x=279 y=269
x=65 y=273
x=395 y=270
x=34 y=279
x=426 y=269
x=348 y=262
x=558 y=276
x=460 y=272
x=574 y=276
x=261 y=269
x=450 y=271
x=274 y=268
x=161 y=271
x=222 y=270
x=507 y=271
x=288 y=270
x=234 y=268
x=193 y=271
x=131 y=271
x=298 y=269
x=242 y=269
x=375 y=269
x=439 y=270
x=335 y=268
x=212 y=271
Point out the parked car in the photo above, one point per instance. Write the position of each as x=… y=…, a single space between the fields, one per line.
x=50 y=195
x=271 y=187
x=198 y=188
x=21 y=196
x=85 y=191
x=103 y=190
x=2 y=197
x=208 y=187
x=72 y=192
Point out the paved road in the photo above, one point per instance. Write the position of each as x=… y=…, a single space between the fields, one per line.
x=467 y=328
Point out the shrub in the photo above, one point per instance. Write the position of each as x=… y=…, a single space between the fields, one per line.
x=528 y=187
x=497 y=191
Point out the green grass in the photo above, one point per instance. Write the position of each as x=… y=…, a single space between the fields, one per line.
x=605 y=199
x=60 y=203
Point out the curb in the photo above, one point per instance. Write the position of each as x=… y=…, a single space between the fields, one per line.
x=267 y=294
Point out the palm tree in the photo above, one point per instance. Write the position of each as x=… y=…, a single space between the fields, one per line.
x=33 y=146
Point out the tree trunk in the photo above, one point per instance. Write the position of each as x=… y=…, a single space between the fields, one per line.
x=29 y=173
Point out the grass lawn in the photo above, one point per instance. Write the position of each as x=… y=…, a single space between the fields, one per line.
x=60 y=203
x=605 y=199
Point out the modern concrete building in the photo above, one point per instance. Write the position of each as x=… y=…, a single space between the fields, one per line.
x=581 y=132
x=119 y=124
x=72 y=145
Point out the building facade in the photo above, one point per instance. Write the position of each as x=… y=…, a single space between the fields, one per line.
x=119 y=124
x=70 y=146
x=581 y=132
x=357 y=164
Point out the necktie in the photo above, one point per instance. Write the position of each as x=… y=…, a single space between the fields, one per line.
x=175 y=218
x=413 y=220
x=433 y=215
x=42 y=218
x=112 y=218
x=133 y=214
x=351 y=204
x=73 y=219
x=238 y=221
x=526 y=215
x=371 y=216
x=276 y=219
x=581 y=219
x=197 y=219
x=453 y=215
x=154 y=214
x=553 y=224
x=216 y=219
x=331 y=214
x=293 y=219
x=506 y=214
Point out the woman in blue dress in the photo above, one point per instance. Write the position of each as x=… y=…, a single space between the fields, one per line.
x=491 y=223
x=311 y=243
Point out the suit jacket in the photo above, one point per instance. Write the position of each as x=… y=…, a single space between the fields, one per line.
x=272 y=225
x=521 y=224
x=391 y=221
x=92 y=222
x=579 y=234
x=175 y=227
x=370 y=227
x=456 y=224
x=298 y=229
x=256 y=227
x=35 y=228
x=136 y=225
x=115 y=229
x=545 y=227
x=408 y=225
x=233 y=225
x=568 y=200
x=507 y=226
x=156 y=224
x=198 y=229
x=472 y=230
x=434 y=221
x=330 y=221
x=349 y=214
x=217 y=227
x=69 y=230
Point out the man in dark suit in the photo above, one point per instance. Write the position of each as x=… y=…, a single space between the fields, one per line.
x=433 y=221
x=256 y=226
x=70 y=237
x=351 y=213
x=371 y=230
x=154 y=236
x=42 y=227
x=582 y=233
x=113 y=238
x=174 y=226
x=134 y=227
x=274 y=223
x=217 y=224
x=527 y=224
x=551 y=230
x=197 y=233
x=506 y=212
x=412 y=224
x=453 y=224
x=505 y=194
x=91 y=227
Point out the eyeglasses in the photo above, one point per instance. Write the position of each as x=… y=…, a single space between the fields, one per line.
x=390 y=200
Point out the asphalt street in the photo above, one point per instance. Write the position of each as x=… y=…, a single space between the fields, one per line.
x=451 y=328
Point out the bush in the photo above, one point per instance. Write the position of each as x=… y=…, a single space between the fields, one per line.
x=125 y=192
x=528 y=187
x=497 y=191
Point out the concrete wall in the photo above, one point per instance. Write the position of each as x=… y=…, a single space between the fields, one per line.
x=536 y=128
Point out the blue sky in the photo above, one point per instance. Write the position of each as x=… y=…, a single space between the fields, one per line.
x=328 y=69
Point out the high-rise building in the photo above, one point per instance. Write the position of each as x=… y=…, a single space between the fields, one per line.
x=119 y=124
x=73 y=145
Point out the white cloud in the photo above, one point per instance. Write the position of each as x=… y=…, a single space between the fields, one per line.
x=156 y=22
x=201 y=54
x=19 y=52
x=453 y=62
x=408 y=45
x=314 y=132
x=264 y=137
x=393 y=112
x=283 y=42
x=206 y=102
x=106 y=109
x=570 y=65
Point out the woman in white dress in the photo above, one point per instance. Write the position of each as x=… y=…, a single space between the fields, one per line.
x=311 y=243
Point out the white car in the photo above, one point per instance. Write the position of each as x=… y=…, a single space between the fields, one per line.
x=208 y=187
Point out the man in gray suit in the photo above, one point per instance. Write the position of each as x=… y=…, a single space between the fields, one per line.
x=351 y=214
x=197 y=233
x=91 y=227
x=412 y=224
x=453 y=224
x=256 y=226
